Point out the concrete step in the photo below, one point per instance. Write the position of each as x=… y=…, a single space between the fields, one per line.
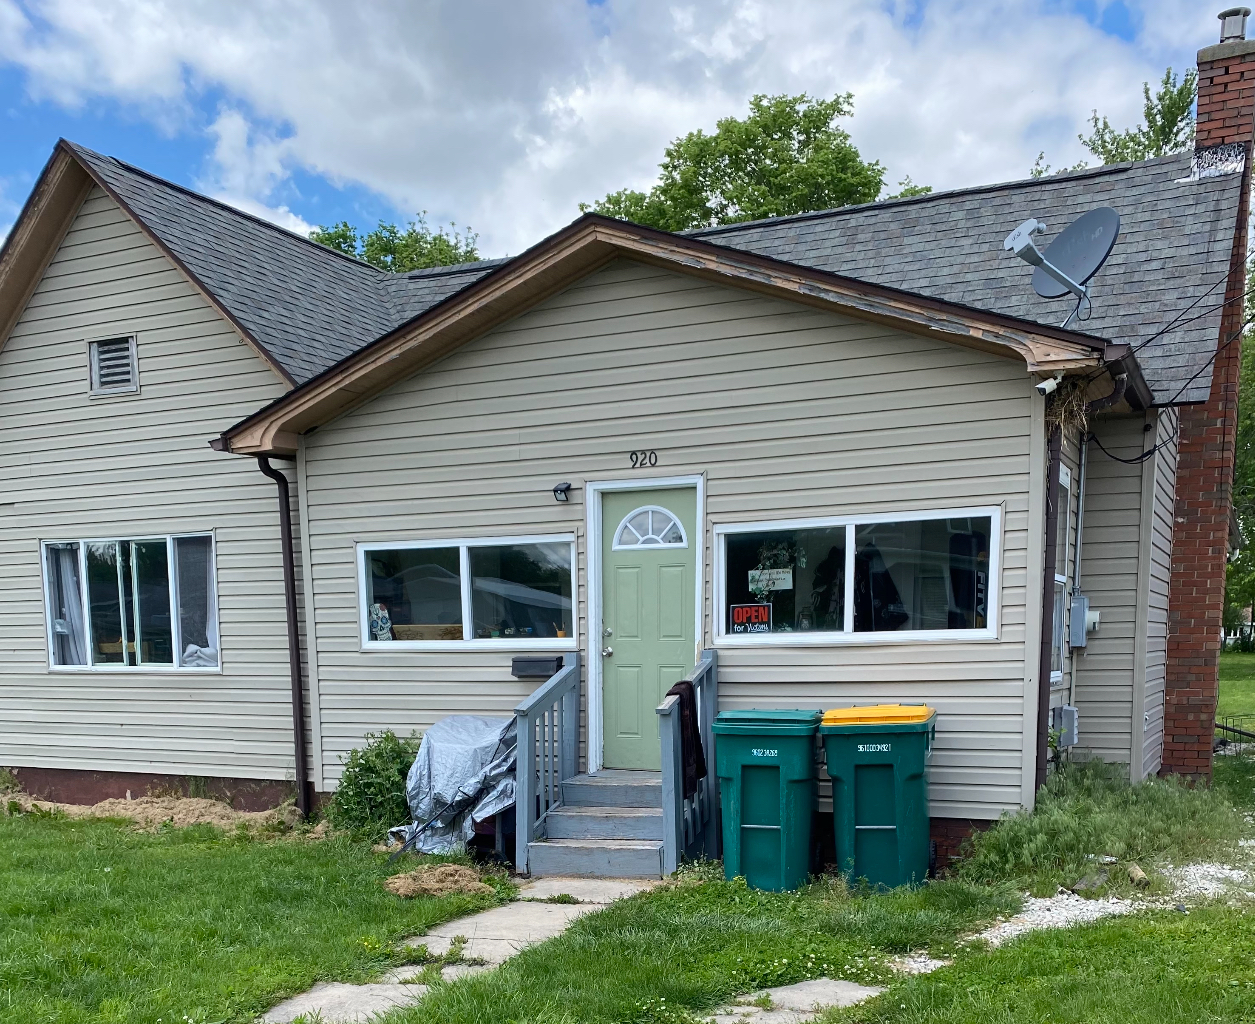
x=597 y=858
x=588 y=822
x=614 y=788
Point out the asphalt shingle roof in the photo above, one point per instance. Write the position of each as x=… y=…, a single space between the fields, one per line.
x=306 y=305
x=309 y=306
x=1176 y=236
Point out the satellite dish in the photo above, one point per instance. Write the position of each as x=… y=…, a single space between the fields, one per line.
x=1072 y=258
x=1079 y=251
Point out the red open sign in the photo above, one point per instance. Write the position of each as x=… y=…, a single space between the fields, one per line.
x=750 y=618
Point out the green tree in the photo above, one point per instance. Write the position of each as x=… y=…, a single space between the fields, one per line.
x=788 y=155
x=1167 y=127
x=393 y=249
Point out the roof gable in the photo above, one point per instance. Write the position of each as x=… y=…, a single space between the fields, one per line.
x=587 y=245
x=1171 y=260
x=302 y=306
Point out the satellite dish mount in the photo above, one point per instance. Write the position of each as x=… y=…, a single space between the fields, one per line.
x=1072 y=258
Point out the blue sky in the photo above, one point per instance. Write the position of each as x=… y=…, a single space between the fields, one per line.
x=316 y=112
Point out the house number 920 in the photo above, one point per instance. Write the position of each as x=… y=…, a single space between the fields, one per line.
x=642 y=459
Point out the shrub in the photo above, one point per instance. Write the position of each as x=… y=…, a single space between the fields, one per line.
x=371 y=796
x=1087 y=811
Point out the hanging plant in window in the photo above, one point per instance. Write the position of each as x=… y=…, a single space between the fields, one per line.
x=774 y=554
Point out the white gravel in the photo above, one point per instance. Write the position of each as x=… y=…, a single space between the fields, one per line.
x=1055 y=912
x=1210 y=881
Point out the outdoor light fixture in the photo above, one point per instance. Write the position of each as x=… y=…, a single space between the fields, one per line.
x=560 y=492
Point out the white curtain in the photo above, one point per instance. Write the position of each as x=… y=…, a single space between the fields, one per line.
x=68 y=628
x=198 y=605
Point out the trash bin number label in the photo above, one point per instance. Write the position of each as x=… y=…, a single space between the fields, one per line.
x=875 y=748
x=764 y=751
x=750 y=618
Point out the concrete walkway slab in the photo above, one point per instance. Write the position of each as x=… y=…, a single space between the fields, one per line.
x=794 y=1004
x=586 y=890
x=496 y=935
x=345 y=1004
x=491 y=937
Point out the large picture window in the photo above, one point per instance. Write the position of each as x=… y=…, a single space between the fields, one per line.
x=132 y=604
x=916 y=575
x=514 y=592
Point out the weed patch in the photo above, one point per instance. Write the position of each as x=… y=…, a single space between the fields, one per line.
x=1086 y=812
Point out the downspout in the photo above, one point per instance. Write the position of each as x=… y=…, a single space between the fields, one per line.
x=294 y=640
x=1053 y=449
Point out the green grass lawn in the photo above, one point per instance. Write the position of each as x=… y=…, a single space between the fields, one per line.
x=100 y=923
x=1237 y=685
x=660 y=954
x=1155 y=968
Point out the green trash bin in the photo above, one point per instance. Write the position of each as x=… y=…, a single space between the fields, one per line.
x=766 y=766
x=878 y=763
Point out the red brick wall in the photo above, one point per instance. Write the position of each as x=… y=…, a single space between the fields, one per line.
x=74 y=786
x=1226 y=114
x=948 y=835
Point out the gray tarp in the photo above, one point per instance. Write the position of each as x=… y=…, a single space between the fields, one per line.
x=463 y=774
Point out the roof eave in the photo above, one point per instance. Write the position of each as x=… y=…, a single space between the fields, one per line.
x=36 y=234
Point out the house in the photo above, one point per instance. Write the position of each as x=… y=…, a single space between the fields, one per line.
x=806 y=461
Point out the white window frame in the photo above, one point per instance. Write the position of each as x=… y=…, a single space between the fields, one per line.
x=95 y=391
x=1061 y=578
x=721 y=531
x=464 y=544
x=173 y=580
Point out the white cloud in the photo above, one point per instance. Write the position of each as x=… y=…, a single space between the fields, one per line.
x=507 y=115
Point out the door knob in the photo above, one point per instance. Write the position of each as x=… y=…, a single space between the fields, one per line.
x=607 y=651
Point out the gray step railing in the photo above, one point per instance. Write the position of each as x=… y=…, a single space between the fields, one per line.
x=690 y=826
x=548 y=752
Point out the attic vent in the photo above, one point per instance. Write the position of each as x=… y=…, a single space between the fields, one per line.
x=113 y=366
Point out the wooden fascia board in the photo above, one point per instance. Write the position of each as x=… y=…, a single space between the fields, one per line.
x=1041 y=352
x=583 y=248
x=38 y=232
x=187 y=272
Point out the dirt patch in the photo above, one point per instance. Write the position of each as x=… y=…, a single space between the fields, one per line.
x=436 y=880
x=150 y=812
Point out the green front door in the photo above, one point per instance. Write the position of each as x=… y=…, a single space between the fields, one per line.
x=649 y=554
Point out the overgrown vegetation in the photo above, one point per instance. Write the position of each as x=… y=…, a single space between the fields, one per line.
x=371 y=796
x=1087 y=811
x=399 y=250
x=104 y=924
x=684 y=948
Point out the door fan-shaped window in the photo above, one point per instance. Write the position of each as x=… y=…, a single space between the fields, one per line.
x=650 y=526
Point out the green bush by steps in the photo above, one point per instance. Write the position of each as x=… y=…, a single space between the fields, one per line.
x=371 y=796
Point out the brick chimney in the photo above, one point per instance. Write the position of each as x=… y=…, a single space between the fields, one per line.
x=1226 y=121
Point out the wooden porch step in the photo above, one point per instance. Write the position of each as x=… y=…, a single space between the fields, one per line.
x=612 y=787
x=581 y=821
x=596 y=858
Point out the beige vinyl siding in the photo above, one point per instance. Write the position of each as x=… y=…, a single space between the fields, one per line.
x=1110 y=562
x=78 y=467
x=789 y=411
x=1162 y=483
